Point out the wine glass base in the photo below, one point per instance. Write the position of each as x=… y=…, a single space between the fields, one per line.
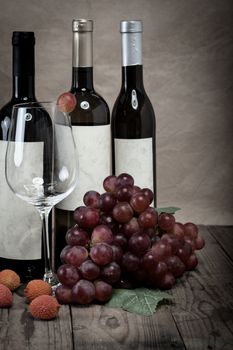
x=51 y=278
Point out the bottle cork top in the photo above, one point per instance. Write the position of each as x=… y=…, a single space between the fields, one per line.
x=82 y=25
x=131 y=26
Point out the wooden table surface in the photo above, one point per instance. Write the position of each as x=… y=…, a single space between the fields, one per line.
x=199 y=317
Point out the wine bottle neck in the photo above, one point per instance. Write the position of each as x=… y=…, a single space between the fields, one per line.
x=132 y=77
x=23 y=65
x=82 y=74
x=82 y=78
x=131 y=45
x=24 y=87
x=82 y=49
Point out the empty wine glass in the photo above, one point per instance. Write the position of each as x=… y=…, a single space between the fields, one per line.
x=41 y=165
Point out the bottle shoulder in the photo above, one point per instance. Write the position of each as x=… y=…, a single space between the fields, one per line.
x=6 y=109
x=133 y=115
x=133 y=101
x=91 y=109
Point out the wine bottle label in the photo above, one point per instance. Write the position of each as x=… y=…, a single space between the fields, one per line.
x=94 y=162
x=135 y=156
x=20 y=230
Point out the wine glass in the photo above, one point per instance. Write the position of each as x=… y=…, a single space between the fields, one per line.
x=41 y=164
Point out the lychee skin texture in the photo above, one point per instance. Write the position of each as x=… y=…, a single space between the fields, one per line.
x=10 y=279
x=35 y=288
x=44 y=307
x=6 y=297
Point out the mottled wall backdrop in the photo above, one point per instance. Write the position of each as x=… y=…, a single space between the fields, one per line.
x=188 y=73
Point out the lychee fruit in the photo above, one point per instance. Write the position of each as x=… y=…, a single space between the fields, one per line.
x=35 y=288
x=10 y=279
x=6 y=297
x=44 y=307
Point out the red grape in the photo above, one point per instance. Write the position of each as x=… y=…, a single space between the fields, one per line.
x=77 y=236
x=166 y=221
x=109 y=183
x=124 y=193
x=101 y=254
x=174 y=242
x=103 y=291
x=86 y=217
x=83 y=292
x=101 y=233
x=139 y=202
x=166 y=281
x=91 y=199
x=63 y=294
x=107 y=219
x=191 y=230
x=160 y=269
x=161 y=250
x=136 y=189
x=148 y=218
x=148 y=193
x=191 y=262
x=66 y=102
x=124 y=180
x=175 y=266
x=63 y=253
x=120 y=240
x=131 y=227
x=107 y=201
x=89 y=270
x=130 y=262
x=68 y=275
x=184 y=252
x=111 y=273
x=122 y=212
x=178 y=230
x=199 y=242
x=139 y=244
x=76 y=255
x=148 y=261
x=117 y=253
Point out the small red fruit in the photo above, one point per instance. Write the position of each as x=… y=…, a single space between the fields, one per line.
x=6 y=298
x=44 y=307
x=36 y=288
x=10 y=279
x=66 y=102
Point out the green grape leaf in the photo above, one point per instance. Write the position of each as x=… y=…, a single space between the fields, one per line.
x=141 y=301
x=169 y=210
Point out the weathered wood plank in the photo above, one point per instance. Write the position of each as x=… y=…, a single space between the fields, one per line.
x=103 y=328
x=212 y=259
x=203 y=308
x=18 y=329
x=224 y=237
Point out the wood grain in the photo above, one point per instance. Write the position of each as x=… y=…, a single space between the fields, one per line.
x=19 y=330
x=203 y=310
x=224 y=237
x=106 y=328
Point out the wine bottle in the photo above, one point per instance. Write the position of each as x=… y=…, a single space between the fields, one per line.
x=21 y=242
x=133 y=118
x=91 y=129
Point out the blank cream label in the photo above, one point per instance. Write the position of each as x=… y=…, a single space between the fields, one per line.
x=93 y=145
x=135 y=157
x=20 y=230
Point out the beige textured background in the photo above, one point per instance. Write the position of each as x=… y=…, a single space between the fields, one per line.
x=188 y=74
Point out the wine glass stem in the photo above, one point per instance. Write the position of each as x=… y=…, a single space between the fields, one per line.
x=49 y=276
x=45 y=237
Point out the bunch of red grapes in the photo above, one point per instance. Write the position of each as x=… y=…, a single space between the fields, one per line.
x=119 y=240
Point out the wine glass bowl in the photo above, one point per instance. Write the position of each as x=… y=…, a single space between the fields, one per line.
x=41 y=164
